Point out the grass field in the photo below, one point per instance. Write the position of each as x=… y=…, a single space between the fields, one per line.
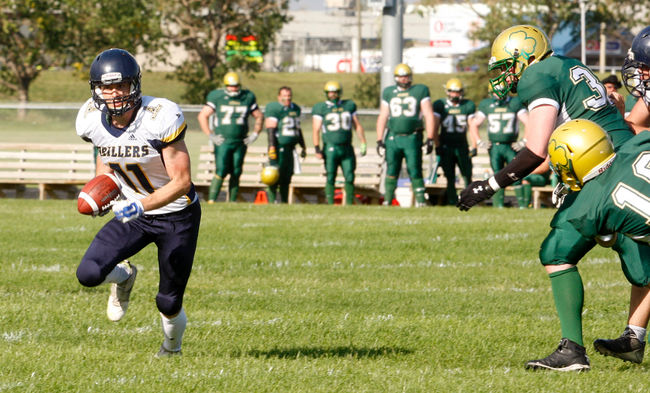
x=307 y=298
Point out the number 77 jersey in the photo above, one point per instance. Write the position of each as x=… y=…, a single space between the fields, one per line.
x=575 y=92
x=134 y=153
x=405 y=107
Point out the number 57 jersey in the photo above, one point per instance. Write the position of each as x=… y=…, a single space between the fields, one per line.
x=134 y=153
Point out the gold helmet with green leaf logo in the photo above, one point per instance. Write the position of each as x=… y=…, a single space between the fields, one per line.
x=403 y=70
x=513 y=51
x=579 y=150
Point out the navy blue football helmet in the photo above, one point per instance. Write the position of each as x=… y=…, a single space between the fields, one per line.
x=115 y=66
x=636 y=81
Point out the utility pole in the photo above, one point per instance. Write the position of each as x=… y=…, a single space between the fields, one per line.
x=391 y=39
x=356 y=42
x=583 y=47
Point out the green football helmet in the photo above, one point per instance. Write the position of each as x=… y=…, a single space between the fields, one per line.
x=579 y=150
x=513 y=51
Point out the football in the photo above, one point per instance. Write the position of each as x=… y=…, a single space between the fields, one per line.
x=95 y=197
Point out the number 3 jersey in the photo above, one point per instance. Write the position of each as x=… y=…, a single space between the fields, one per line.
x=618 y=200
x=575 y=91
x=134 y=153
x=405 y=107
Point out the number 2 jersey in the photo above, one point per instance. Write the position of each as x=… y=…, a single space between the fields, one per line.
x=134 y=153
x=405 y=107
x=575 y=91
x=618 y=200
x=288 y=118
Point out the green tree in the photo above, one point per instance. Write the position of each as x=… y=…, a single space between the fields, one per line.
x=550 y=16
x=37 y=35
x=201 y=26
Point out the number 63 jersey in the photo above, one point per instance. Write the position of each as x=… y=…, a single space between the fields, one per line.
x=134 y=153
x=618 y=200
x=405 y=107
x=575 y=91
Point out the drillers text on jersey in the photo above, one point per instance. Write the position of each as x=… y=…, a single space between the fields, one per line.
x=123 y=151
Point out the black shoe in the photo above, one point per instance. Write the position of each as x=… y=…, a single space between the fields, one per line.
x=627 y=347
x=568 y=356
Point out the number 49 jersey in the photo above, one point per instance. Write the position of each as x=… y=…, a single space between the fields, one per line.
x=618 y=200
x=405 y=110
x=575 y=91
x=134 y=153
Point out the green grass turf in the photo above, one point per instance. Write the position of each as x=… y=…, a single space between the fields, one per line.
x=307 y=298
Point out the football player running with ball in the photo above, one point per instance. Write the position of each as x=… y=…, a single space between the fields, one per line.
x=231 y=107
x=555 y=89
x=283 y=127
x=451 y=117
x=140 y=140
x=403 y=106
x=335 y=118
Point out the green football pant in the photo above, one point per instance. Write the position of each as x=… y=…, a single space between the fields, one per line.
x=339 y=156
x=452 y=156
x=284 y=163
x=404 y=147
x=229 y=160
x=500 y=155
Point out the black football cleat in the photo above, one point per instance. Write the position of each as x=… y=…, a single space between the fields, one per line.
x=627 y=347
x=568 y=356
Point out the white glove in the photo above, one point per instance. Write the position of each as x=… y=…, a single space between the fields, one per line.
x=559 y=192
x=484 y=144
x=516 y=146
x=251 y=138
x=217 y=139
x=128 y=209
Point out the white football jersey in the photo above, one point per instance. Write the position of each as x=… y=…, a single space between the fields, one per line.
x=134 y=153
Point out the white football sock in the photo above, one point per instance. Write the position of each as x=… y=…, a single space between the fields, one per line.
x=120 y=273
x=639 y=331
x=173 y=330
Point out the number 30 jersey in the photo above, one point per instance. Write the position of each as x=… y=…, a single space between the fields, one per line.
x=337 y=120
x=575 y=91
x=134 y=153
x=405 y=107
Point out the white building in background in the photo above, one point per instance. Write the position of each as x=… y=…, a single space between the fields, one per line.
x=436 y=38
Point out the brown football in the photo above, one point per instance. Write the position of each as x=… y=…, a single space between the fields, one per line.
x=95 y=197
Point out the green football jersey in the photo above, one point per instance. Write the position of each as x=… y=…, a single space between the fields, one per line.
x=617 y=200
x=288 y=118
x=453 y=120
x=405 y=114
x=231 y=112
x=576 y=93
x=501 y=115
x=337 y=120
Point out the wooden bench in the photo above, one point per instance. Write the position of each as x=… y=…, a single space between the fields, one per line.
x=50 y=166
x=308 y=184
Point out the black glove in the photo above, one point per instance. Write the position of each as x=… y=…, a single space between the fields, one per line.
x=317 y=150
x=429 y=146
x=381 y=148
x=439 y=151
x=473 y=152
x=476 y=192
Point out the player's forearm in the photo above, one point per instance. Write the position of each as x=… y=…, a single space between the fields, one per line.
x=381 y=127
x=522 y=165
x=168 y=193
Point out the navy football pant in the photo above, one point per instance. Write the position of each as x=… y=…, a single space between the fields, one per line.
x=174 y=234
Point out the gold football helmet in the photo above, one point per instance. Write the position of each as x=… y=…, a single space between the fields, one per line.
x=403 y=70
x=579 y=150
x=270 y=175
x=454 y=85
x=333 y=86
x=513 y=50
x=231 y=79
